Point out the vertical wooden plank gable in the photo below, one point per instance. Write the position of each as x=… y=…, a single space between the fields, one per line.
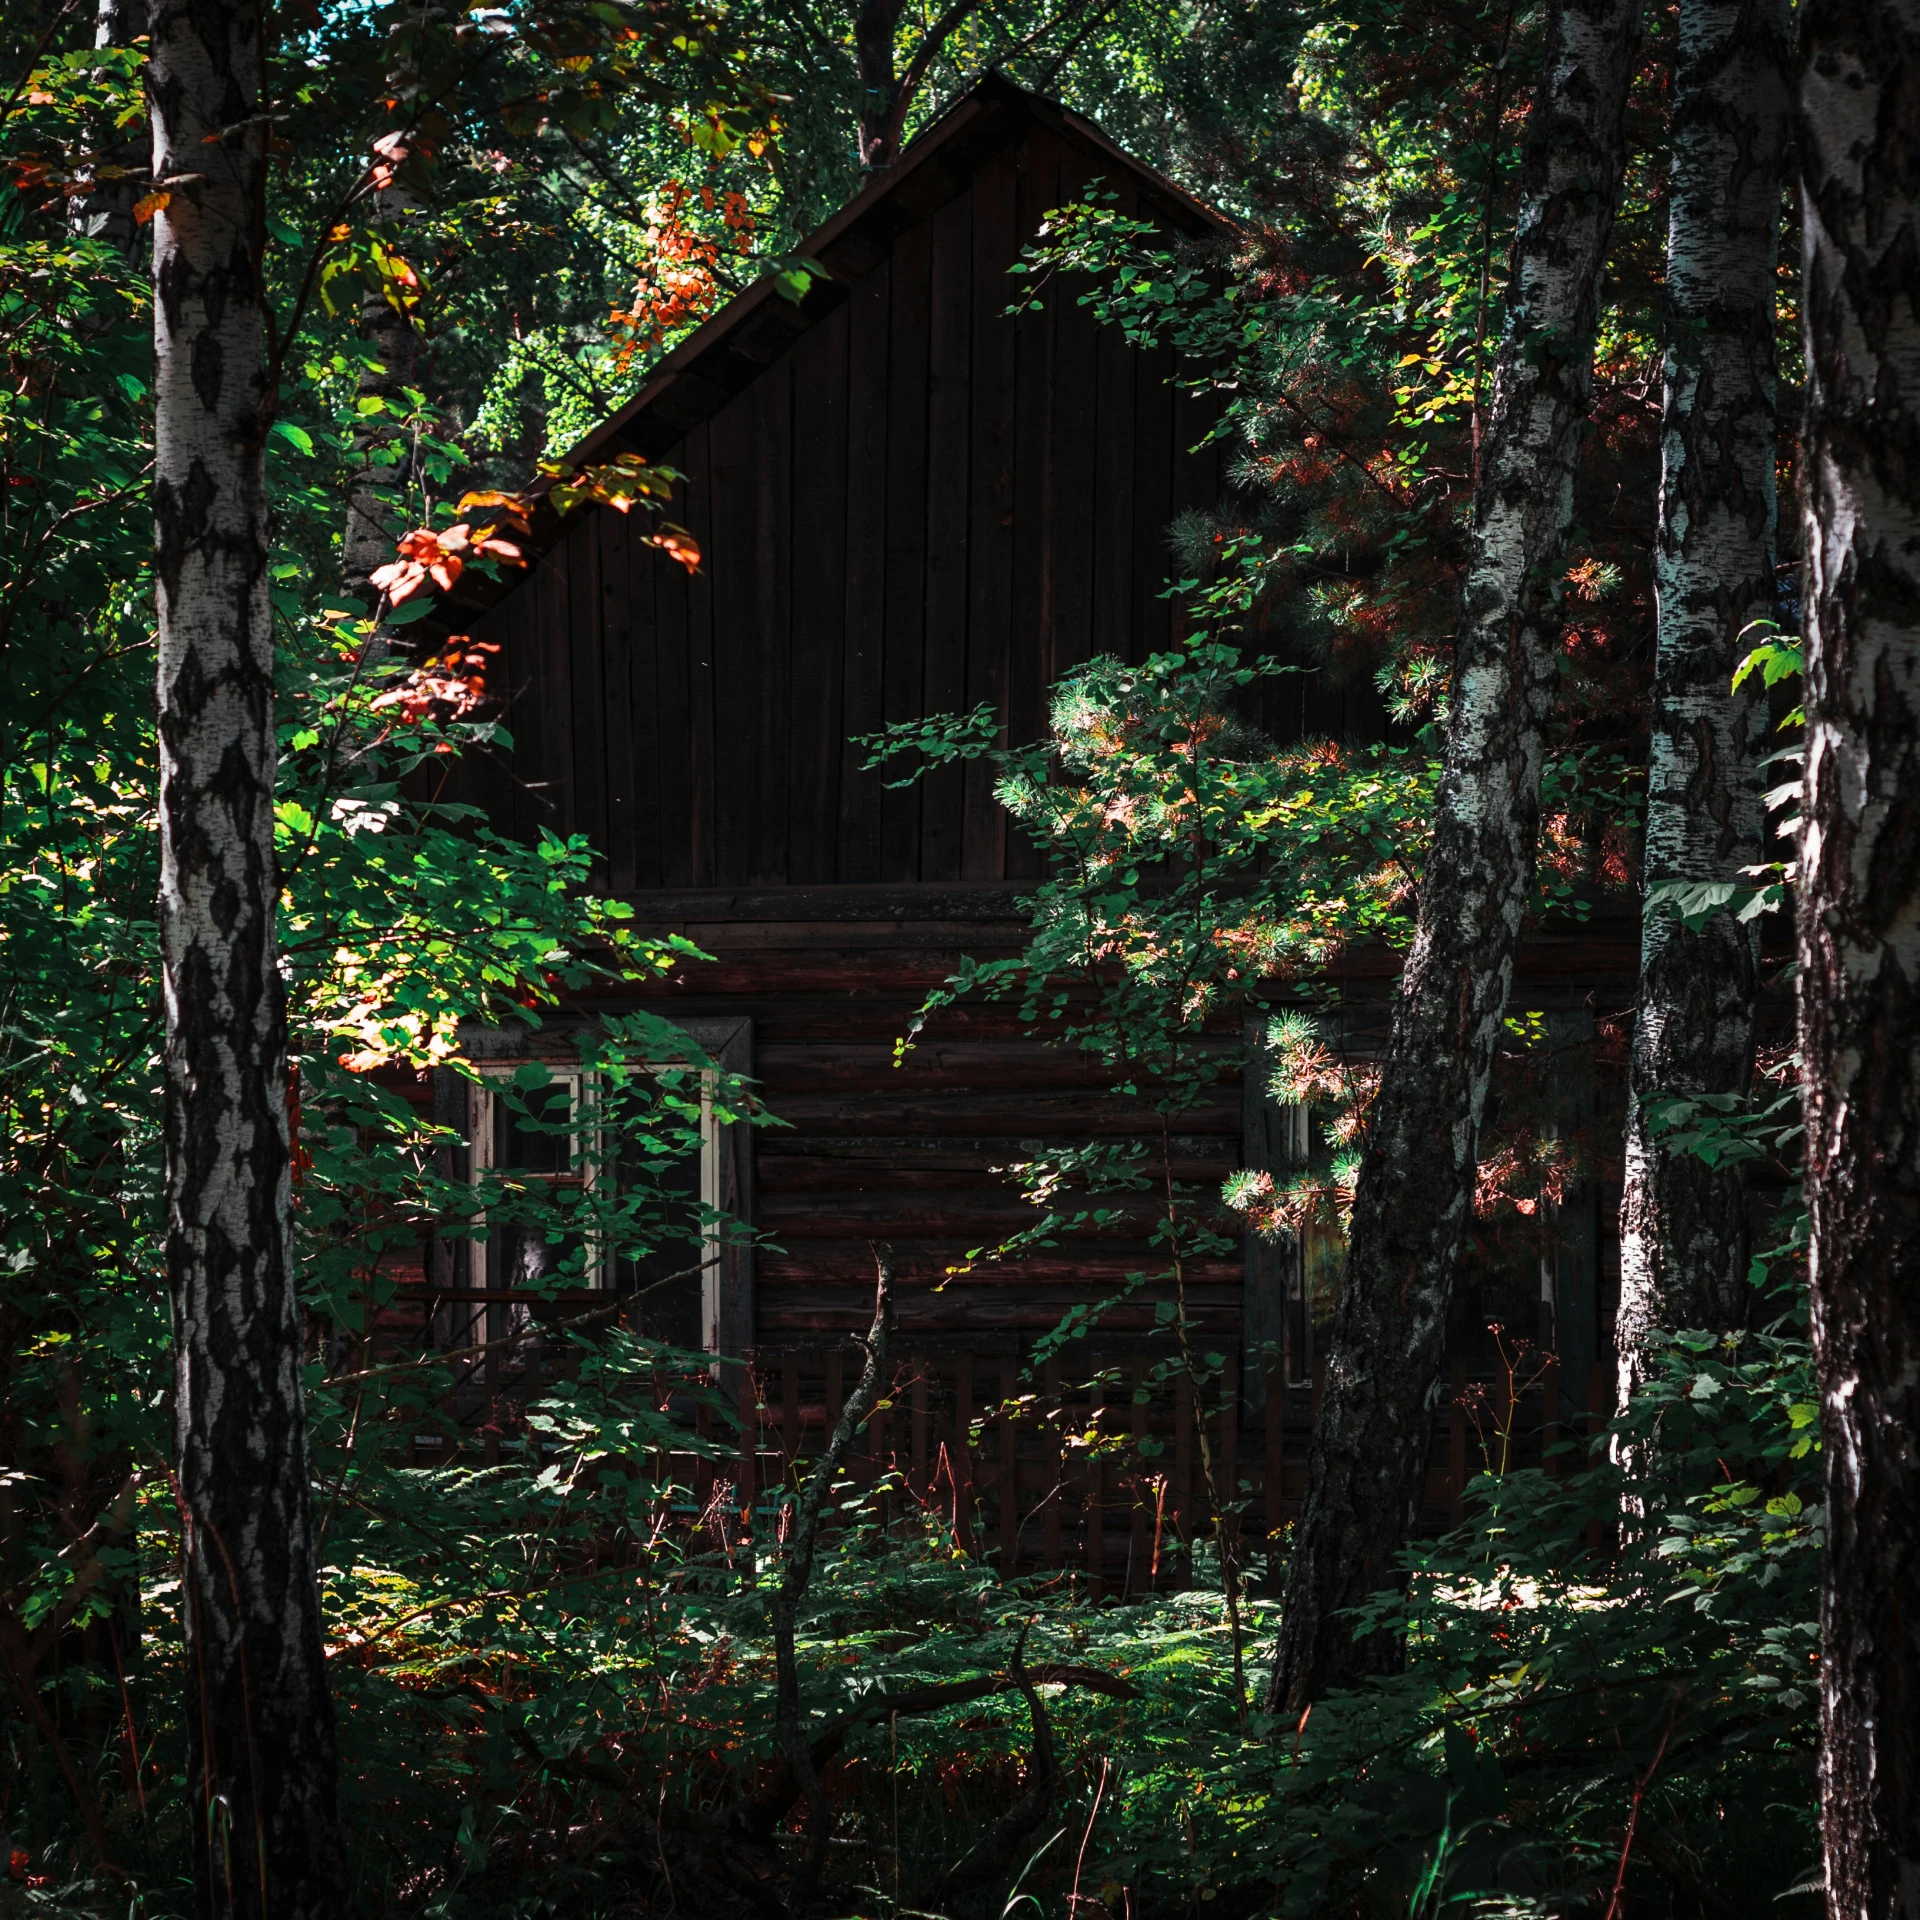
x=550 y=780
x=990 y=502
x=703 y=833
x=1030 y=613
x=661 y=589
x=909 y=333
x=738 y=665
x=948 y=444
x=972 y=504
x=863 y=682
x=586 y=670
x=524 y=686
x=1116 y=368
x=483 y=776
x=1196 y=458
x=1151 y=628
x=628 y=722
x=1072 y=479
x=819 y=486
x=771 y=641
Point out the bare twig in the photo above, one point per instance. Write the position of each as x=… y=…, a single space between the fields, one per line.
x=1633 y=1813
x=447 y=1356
x=1222 y=1530
x=759 y=1820
x=33 y=60
x=989 y=1862
x=113 y=1519
x=1073 y=1899
x=799 y=1570
x=924 y=55
x=20 y=1661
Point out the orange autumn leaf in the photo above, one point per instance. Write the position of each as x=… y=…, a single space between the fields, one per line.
x=679 y=545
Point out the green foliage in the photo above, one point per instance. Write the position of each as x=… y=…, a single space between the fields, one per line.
x=404 y=923
x=1348 y=341
x=1777 y=660
x=552 y=1656
x=1189 y=861
x=1725 y=1129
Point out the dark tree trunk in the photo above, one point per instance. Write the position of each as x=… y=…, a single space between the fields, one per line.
x=382 y=446
x=885 y=97
x=873 y=30
x=1683 y=1233
x=265 y=1836
x=1368 y=1460
x=1859 y=912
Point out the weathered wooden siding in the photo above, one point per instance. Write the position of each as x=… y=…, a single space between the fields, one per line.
x=866 y=1151
x=919 y=505
x=907 y=501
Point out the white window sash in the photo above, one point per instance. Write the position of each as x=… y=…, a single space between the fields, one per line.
x=485 y=1105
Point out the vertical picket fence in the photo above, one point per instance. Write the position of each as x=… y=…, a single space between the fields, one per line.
x=1110 y=1474
x=1108 y=1482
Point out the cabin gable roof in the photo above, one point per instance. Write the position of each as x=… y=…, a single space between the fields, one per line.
x=738 y=344
x=909 y=498
x=754 y=328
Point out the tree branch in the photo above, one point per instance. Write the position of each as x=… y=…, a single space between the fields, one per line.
x=923 y=57
x=799 y=1570
x=988 y=1862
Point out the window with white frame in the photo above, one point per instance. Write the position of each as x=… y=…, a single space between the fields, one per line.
x=553 y=1135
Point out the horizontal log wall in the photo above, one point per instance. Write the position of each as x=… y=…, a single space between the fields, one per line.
x=915 y=1154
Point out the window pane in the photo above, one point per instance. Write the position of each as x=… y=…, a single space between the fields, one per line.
x=536 y=1142
x=671 y=1312
x=523 y=1256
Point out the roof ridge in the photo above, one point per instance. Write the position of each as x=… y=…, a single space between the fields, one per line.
x=840 y=231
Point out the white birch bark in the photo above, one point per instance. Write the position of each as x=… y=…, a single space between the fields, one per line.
x=1683 y=1235
x=1367 y=1463
x=264 y=1832
x=1859 y=919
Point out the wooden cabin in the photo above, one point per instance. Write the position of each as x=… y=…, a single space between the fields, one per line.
x=909 y=500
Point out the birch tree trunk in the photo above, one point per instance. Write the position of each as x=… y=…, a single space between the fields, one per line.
x=1367 y=1463
x=1859 y=918
x=105 y=211
x=265 y=1836
x=1683 y=1230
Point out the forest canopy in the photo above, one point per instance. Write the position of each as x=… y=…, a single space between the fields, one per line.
x=382 y=1531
